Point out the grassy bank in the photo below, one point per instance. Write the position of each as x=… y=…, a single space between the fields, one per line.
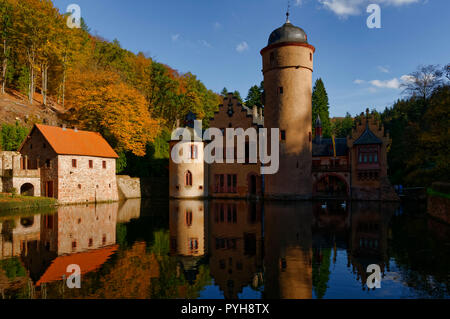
x=439 y=189
x=13 y=202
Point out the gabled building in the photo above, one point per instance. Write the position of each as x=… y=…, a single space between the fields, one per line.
x=70 y=165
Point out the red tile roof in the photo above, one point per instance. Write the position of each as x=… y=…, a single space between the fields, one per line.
x=75 y=142
x=88 y=261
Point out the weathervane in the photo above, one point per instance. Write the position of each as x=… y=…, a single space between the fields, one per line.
x=287 y=12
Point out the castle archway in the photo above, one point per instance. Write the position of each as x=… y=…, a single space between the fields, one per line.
x=27 y=189
x=331 y=185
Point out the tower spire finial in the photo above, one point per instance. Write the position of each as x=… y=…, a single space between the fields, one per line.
x=287 y=12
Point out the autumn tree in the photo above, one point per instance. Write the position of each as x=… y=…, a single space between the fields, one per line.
x=101 y=102
x=342 y=127
x=6 y=34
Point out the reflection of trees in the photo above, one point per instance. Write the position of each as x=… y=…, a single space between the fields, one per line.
x=321 y=271
x=13 y=268
x=422 y=257
x=139 y=270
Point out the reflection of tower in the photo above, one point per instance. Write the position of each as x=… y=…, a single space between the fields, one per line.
x=187 y=229
x=235 y=245
x=287 y=69
x=288 y=250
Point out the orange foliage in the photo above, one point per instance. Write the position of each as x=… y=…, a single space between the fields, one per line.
x=98 y=100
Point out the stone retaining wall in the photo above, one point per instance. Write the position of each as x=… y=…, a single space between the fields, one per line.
x=128 y=187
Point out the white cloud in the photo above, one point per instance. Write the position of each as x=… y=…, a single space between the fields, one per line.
x=205 y=43
x=394 y=83
x=407 y=78
x=388 y=84
x=241 y=47
x=383 y=69
x=175 y=37
x=344 y=8
x=298 y=3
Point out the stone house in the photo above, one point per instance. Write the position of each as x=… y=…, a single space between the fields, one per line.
x=70 y=165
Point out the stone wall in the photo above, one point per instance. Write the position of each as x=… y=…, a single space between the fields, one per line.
x=128 y=187
x=84 y=184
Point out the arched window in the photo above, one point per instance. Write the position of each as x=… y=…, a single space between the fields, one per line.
x=188 y=178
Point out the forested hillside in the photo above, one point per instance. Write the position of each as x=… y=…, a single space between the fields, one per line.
x=129 y=98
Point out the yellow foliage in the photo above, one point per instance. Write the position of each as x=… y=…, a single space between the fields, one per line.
x=98 y=100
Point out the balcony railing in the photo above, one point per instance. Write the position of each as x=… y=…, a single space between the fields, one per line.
x=9 y=173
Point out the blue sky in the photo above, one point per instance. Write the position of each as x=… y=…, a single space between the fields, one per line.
x=219 y=41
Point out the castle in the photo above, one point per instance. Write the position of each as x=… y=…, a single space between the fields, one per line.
x=309 y=167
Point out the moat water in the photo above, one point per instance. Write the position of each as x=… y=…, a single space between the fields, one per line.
x=225 y=249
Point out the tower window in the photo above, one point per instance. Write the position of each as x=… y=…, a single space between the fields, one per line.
x=310 y=57
x=188 y=178
x=283 y=135
x=194 y=151
x=280 y=90
x=189 y=217
x=272 y=58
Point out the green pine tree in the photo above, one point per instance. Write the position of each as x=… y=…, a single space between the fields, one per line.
x=254 y=97
x=320 y=106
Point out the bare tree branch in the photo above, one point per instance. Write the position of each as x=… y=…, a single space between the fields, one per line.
x=423 y=81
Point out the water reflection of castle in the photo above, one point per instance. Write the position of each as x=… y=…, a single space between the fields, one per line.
x=46 y=244
x=278 y=248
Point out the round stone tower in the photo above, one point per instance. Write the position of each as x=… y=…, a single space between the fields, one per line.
x=287 y=70
x=187 y=175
